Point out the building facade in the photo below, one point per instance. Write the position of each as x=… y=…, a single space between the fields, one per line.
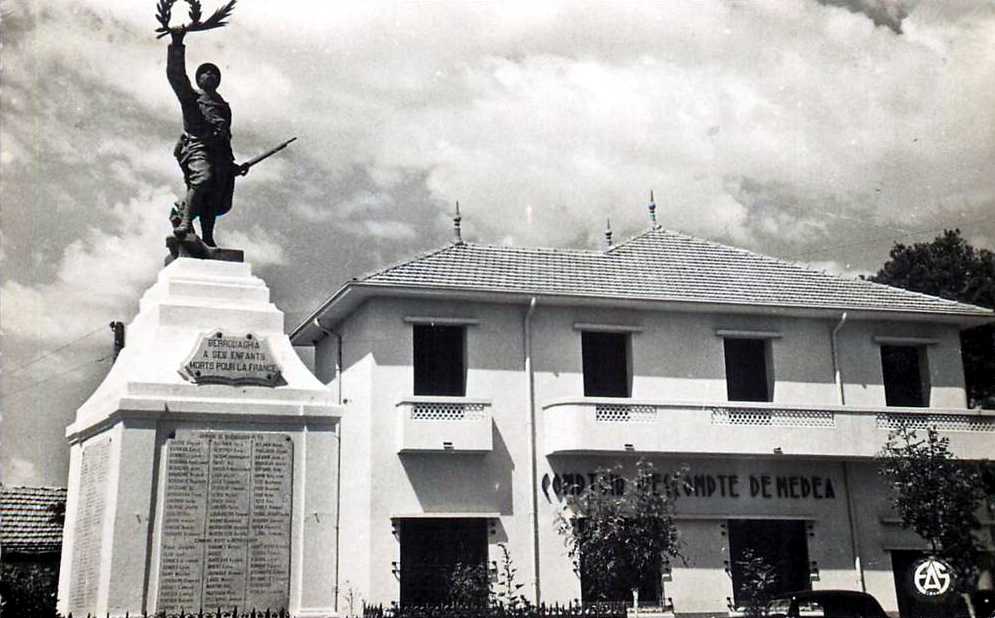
x=485 y=383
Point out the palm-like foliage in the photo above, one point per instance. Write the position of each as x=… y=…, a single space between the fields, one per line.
x=218 y=19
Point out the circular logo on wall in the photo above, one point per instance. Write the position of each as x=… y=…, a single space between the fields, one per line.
x=932 y=577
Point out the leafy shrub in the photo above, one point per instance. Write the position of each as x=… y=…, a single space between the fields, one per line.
x=28 y=589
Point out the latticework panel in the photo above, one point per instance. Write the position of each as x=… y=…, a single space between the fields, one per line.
x=622 y=413
x=447 y=411
x=942 y=422
x=819 y=419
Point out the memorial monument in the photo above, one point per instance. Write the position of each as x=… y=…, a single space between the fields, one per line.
x=204 y=469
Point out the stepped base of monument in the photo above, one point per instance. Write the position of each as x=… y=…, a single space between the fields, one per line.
x=192 y=246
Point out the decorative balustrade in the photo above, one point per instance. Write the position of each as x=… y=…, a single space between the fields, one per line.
x=942 y=422
x=445 y=424
x=773 y=417
x=591 y=425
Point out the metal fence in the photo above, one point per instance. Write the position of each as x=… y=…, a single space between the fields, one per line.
x=219 y=613
x=556 y=610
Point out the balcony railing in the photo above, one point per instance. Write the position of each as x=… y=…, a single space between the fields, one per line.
x=445 y=424
x=591 y=425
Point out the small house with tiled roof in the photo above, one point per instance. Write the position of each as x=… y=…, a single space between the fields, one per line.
x=31 y=521
x=487 y=383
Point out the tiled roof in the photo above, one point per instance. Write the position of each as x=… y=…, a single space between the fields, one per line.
x=657 y=265
x=27 y=525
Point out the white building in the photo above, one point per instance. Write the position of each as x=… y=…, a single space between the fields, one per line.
x=482 y=381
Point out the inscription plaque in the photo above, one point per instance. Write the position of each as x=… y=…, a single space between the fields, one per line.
x=226 y=522
x=236 y=360
x=89 y=526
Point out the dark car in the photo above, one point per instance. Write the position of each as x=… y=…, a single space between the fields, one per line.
x=825 y=603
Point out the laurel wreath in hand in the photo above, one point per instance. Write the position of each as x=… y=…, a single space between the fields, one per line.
x=164 y=11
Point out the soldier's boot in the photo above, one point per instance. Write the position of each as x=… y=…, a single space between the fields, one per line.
x=189 y=212
x=207 y=229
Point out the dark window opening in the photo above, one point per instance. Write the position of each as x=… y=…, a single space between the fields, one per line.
x=748 y=371
x=781 y=544
x=600 y=585
x=605 y=358
x=439 y=360
x=905 y=376
x=430 y=551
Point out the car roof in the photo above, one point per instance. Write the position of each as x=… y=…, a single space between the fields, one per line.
x=822 y=594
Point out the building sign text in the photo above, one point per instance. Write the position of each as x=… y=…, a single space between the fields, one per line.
x=762 y=486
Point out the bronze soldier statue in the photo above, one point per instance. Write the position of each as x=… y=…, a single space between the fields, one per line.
x=204 y=150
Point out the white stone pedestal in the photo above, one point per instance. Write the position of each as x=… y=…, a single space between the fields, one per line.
x=181 y=490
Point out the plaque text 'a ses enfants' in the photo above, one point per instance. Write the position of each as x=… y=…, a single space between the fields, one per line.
x=236 y=360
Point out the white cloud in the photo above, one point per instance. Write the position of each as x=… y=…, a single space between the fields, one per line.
x=99 y=277
x=839 y=268
x=380 y=229
x=137 y=156
x=312 y=213
x=102 y=275
x=359 y=205
x=18 y=471
x=10 y=149
x=261 y=248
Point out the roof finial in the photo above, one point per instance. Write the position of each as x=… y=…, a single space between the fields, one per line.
x=456 y=226
x=608 y=233
x=653 y=222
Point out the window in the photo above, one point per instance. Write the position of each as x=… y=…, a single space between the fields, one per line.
x=748 y=370
x=439 y=353
x=781 y=544
x=906 y=375
x=605 y=358
x=431 y=549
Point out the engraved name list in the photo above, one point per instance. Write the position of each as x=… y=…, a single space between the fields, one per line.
x=226 y=522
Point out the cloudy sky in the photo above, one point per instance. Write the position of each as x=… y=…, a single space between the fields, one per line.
x=818 y=131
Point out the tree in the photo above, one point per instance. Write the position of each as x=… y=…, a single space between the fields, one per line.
x=950 y=268
x=618 y=530
x=760 y=581
x=936 y=496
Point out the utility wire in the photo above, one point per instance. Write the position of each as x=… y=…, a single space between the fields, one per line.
x=52 y=377
x=21 y=368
